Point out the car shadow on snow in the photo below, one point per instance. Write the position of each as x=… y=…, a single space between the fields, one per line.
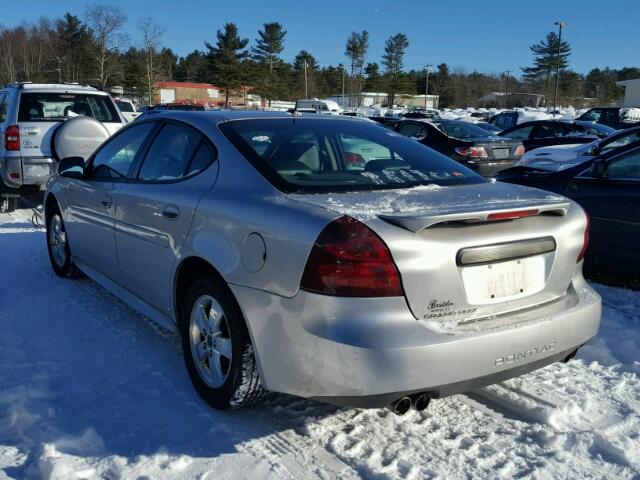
x=84 y=373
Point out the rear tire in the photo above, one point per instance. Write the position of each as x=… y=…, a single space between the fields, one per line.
x=216 y=347
x=8 y=204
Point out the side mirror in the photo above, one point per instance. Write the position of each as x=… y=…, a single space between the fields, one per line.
x=598 y=168
x=71 y=167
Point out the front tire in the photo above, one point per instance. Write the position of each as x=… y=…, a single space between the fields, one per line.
x=216 y=347
x=58 y=246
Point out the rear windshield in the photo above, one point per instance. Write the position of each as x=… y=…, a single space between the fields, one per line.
x=462 y=130
x=125 y=106
x=336 y=155
x=53 y=107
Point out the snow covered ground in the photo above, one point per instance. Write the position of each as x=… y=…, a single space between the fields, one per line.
x=89 y=389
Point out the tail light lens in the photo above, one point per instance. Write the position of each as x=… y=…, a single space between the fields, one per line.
x=348 y=259
x=12 y=138
x=472 y=152
x=585 y=243
x=519 y=151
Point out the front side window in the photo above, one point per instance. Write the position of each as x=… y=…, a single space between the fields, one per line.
x=625 y=167
x=55 y=107
x=170 y=153
x=114 y=159
x=331 y=155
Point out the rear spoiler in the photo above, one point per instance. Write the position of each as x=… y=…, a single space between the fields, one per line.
x=416 y=223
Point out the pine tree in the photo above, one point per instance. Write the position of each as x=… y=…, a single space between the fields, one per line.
x=72 y=43
x=228 y=58
x=394 y=50
x=545 y=58
x=356 y=50
x=270 y=43
x=303 y=57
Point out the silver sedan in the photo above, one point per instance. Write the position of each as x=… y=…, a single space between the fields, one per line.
x=323 y=257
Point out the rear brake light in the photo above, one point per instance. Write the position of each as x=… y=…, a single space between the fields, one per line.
x=472 y=152
x=348 y=259
x=12 y=138
x=519 y=151
x=512 y=215
x=585 y=242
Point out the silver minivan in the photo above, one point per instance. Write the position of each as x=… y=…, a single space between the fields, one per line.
x=30 y=114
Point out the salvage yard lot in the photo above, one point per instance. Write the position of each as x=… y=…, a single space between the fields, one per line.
x=91 y=390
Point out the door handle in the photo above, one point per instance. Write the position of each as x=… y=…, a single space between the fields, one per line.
x=171 y=211
x=107 y=202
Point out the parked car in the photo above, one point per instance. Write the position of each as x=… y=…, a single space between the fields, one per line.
x=127 y=109
x=542 y=133
x=614 y=117
x=429 y=114
x=31 y=116
x=327 y=106
x=289 y=264
x=472 y=146
x=560 y=156
x=187 y=107
x=606 y=185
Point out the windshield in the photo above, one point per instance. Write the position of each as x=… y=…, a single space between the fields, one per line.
x=53 y=107
x=619 y=141
x=462 y=130
x=337 y=155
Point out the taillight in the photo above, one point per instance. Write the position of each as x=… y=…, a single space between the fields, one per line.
x=348 y=259
x=512 y=215
x=519 y=151
x=472 y=152
x=12 y=138
x=585 y=242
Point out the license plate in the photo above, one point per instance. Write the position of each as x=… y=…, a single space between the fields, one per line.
x=505 y=280
x=37 y=171
x=500 y=152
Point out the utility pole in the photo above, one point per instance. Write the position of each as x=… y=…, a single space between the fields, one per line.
x=426 y=87
x=343 y=87
x=597 y=86
x=561 y=25
x=506 y=90
x=306 y=88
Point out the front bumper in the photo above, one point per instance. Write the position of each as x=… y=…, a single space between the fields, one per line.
x=369 y=352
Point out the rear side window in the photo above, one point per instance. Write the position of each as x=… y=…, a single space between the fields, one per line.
x=3 y=107
x=521 y=133
x=412 y=130
x=54 y=107
x=113 y=161
x=333 y=155
x=175 y=153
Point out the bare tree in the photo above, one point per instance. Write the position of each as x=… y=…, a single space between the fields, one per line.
x=106 y=22
x=151 y=39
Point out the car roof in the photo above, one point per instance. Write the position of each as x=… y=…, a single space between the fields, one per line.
x=60 y=87
x=218 y=116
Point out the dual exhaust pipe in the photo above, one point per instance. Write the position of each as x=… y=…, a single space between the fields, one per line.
x=419 y=402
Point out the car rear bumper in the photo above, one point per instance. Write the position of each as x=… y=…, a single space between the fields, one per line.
x=16 y=172
x=490 y=168
x=369 y=352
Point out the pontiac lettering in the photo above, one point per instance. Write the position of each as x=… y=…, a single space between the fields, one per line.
x=526 y=354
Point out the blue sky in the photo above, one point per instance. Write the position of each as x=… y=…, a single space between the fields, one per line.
x=490 y=36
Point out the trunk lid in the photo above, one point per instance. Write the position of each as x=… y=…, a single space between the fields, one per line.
x=458 y=267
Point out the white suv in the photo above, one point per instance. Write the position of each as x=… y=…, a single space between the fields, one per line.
x=30 y=115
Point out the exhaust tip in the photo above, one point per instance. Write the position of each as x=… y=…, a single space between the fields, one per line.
x=401 y=406
x=421 y=402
